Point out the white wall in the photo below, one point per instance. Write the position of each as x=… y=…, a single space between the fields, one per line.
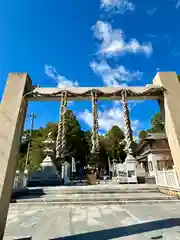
x=153 y=158
x=125 y=167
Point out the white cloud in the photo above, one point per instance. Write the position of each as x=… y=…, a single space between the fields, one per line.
x=134 y=103
x=113 y=41
x=131 y=103
x=114 y=76
x=176 y=54
x=177 y=4
x=62 y=82
x=107 y=118
x=151 y=11
x=117 y=6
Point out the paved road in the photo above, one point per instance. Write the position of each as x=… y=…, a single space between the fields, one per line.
x=125 y=222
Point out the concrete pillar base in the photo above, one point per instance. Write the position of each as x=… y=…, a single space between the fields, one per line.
x=130 y=162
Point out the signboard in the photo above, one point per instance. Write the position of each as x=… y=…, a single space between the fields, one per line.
x=73 y=165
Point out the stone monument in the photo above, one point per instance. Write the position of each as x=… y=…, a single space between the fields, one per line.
x=47 y=175
x=131 y=170
x=65 y=173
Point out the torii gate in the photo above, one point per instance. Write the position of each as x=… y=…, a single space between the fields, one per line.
x=19 y=90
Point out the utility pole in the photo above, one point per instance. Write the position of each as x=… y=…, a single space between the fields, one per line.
x=32 y=116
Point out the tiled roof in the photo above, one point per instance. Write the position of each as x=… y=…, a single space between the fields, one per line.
x=159 y=135
x=151 y=136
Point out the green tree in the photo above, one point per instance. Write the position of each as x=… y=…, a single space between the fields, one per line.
x=88 y=147
x=157 y=123
x=113 y=143
x=78 y=144
x=36 y=154
x=143 y=134
x=53 y=128
x=116 y=133
x=75 y=137
x=101 y=159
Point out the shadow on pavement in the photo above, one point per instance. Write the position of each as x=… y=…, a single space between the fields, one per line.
x=27 y=194
x=126 y=230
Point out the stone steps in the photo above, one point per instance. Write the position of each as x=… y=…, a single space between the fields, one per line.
x=73 y=192
x=92 y=199
x=33 y=192
x=125 y=188
x=86 y=203
x=100 y=194
x=85 y=192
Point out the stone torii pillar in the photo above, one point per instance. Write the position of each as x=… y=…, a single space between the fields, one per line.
x=170 y=107
x=12 y=116
x=127 y=127
x=130 y=161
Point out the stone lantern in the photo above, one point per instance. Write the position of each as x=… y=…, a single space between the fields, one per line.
x=50 y=173
x=47 y=174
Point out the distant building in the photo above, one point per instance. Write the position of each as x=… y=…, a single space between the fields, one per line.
x=154 y=153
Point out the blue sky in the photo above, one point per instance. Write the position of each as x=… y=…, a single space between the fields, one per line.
x=90 y=43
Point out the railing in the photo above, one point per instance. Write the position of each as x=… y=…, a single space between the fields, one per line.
x=167 y=178
x=20 y=180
